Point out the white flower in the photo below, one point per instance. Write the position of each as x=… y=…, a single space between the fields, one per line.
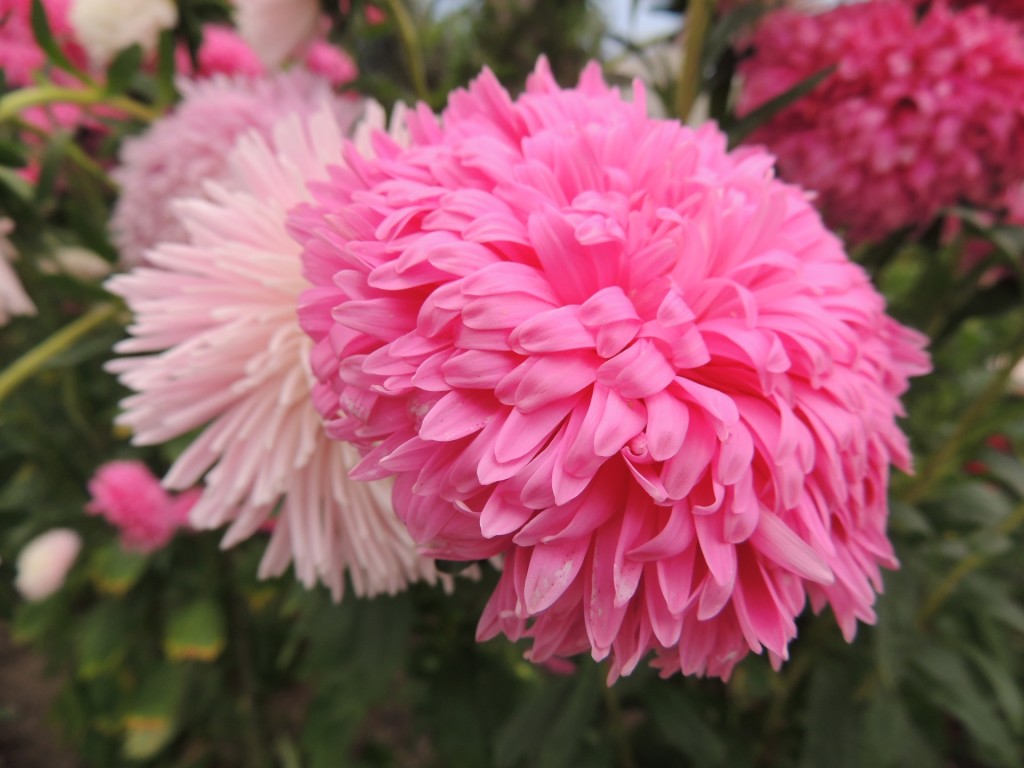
x=13 y=299
x=45 y=561
x=105 y=27
x=277 y=29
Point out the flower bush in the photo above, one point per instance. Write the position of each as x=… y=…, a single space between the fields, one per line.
x=384 y=384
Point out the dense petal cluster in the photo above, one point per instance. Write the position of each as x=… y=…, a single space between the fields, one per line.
x=634 y=364
x=130 y=498
x=221 y=349
x=918 y=115
x=190 y=146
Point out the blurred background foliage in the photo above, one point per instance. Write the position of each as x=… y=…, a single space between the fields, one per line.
x=183 y=658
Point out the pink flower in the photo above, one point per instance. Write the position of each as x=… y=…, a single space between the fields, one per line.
x=631 y=362
x=216 y=321
x=918 y=115
x=44 y=562
x=190 y=146
x=222 y=52
x=129 y=497
x=20 y=57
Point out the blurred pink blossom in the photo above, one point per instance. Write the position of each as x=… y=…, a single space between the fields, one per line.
x=128 y=496
x=920 y=114
x=44 y=562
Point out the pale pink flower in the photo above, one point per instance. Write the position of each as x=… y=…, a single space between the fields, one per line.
x=920 y=114
x=44 y=562
x=130 y=498
x=107 y=27
x=13 y=299
x=635 y=364
x=216 y=321
x=189 y=147
x=278 y=30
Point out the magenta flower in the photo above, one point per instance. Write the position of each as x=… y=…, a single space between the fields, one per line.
x=631 y=362
x=222 y=351
x=919 y=114
x=130 y=498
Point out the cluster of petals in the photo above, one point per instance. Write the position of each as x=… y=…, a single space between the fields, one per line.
x=635 y=365
x=13 y=299
x=129 y=497
x=216 y=345
x=918 y=114
x=190 y=146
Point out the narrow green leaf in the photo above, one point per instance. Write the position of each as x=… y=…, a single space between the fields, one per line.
x=681 y=724
x=746 y=125
x=43 y=34
x=195 y=632
x=166 y=93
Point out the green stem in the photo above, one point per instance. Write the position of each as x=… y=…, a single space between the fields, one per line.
x=698 y=19
x=16 y=102
x=75 y=154
x=970 y=563
x=32 y=361
x=411 y=46
x=938 y=464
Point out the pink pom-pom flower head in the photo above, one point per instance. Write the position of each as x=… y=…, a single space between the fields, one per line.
x=128 y=496
x=918 y=114
x=632 y=363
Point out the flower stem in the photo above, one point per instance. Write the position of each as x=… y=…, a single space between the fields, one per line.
x=970 y=563
x=411 y=46
x=938 y=464
x=16 y=102
x=698 y=19
x=33 y=361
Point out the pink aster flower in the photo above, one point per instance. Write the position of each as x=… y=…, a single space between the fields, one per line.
x=190 y=146
x=920 y=114
x=633 y=363
x=129 y=497
x=216 y=323
x=331 y=63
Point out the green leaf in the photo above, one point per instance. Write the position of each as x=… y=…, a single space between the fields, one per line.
x=746 y=125
x=952 y=688
x=831 y=729
x=151 y=718
x=103 y=640
x=34 y=621
x=890 y=738
x=1004 y=686
x=682 y=725
x=12 y=154
x=122 y=69
x=195 y=632
x=115 y=571
x=43 y=34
